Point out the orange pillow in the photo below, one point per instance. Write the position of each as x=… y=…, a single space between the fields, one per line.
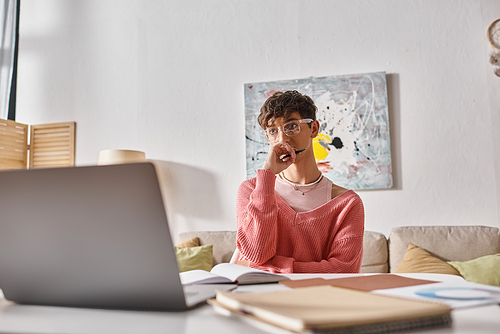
x=417 y=260
x=193 y=242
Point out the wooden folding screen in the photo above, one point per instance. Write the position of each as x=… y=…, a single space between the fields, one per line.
x=52 y=145
x=13 y=145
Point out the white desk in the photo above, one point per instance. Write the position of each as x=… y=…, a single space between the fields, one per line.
x=44 y=319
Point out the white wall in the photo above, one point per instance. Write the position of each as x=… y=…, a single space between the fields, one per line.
x=166 y=77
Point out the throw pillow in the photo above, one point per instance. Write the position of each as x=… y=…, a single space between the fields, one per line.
x=417 y=260
x=485 y=269
x=191 y=258
x=193 y=242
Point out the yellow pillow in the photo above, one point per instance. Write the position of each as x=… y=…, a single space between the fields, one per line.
x=417 y=260
x=190 y=258
x=193 y=242
x=484 y=269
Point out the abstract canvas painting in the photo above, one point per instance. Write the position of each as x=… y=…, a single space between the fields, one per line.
x=353 y=147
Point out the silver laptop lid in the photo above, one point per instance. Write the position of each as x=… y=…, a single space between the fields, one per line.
x=87 y=237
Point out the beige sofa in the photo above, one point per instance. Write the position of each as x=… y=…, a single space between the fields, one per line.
x=381 y=254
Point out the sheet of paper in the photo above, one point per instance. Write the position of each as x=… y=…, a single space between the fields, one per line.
x=454 y=294
x=201 y=277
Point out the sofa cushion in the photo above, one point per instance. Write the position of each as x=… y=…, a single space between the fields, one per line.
x=375 y=254
x=224 y=243
x=193 y=242
x=485 y=269
x=191 y=258
x=417 y=260
x=449 y=243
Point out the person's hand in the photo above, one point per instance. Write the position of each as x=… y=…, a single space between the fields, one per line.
x=242 y=263
x=273 y=162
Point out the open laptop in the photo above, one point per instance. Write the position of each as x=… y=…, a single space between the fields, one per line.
x=92 y=236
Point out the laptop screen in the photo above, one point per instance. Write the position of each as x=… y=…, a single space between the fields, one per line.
x=94 y=236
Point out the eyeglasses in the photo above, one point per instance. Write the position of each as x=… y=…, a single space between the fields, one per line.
x=291 y=129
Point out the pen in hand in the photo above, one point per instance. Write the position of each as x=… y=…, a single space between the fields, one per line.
x=284 y=156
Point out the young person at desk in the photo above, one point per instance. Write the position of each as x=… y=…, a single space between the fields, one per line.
x=291 y=218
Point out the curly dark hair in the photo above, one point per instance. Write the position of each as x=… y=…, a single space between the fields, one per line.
x=283 y=104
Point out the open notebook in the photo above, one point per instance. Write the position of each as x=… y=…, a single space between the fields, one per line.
x=93 y=236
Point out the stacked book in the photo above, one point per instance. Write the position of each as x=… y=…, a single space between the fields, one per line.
x=331 y=309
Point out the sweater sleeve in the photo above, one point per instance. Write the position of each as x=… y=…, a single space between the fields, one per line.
x=345 y=257
x=345 y=254
x=257 y=214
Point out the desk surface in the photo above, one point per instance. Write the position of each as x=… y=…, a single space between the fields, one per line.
x=43 y=319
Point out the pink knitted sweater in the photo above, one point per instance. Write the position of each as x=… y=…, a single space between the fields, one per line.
x=275 y=238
